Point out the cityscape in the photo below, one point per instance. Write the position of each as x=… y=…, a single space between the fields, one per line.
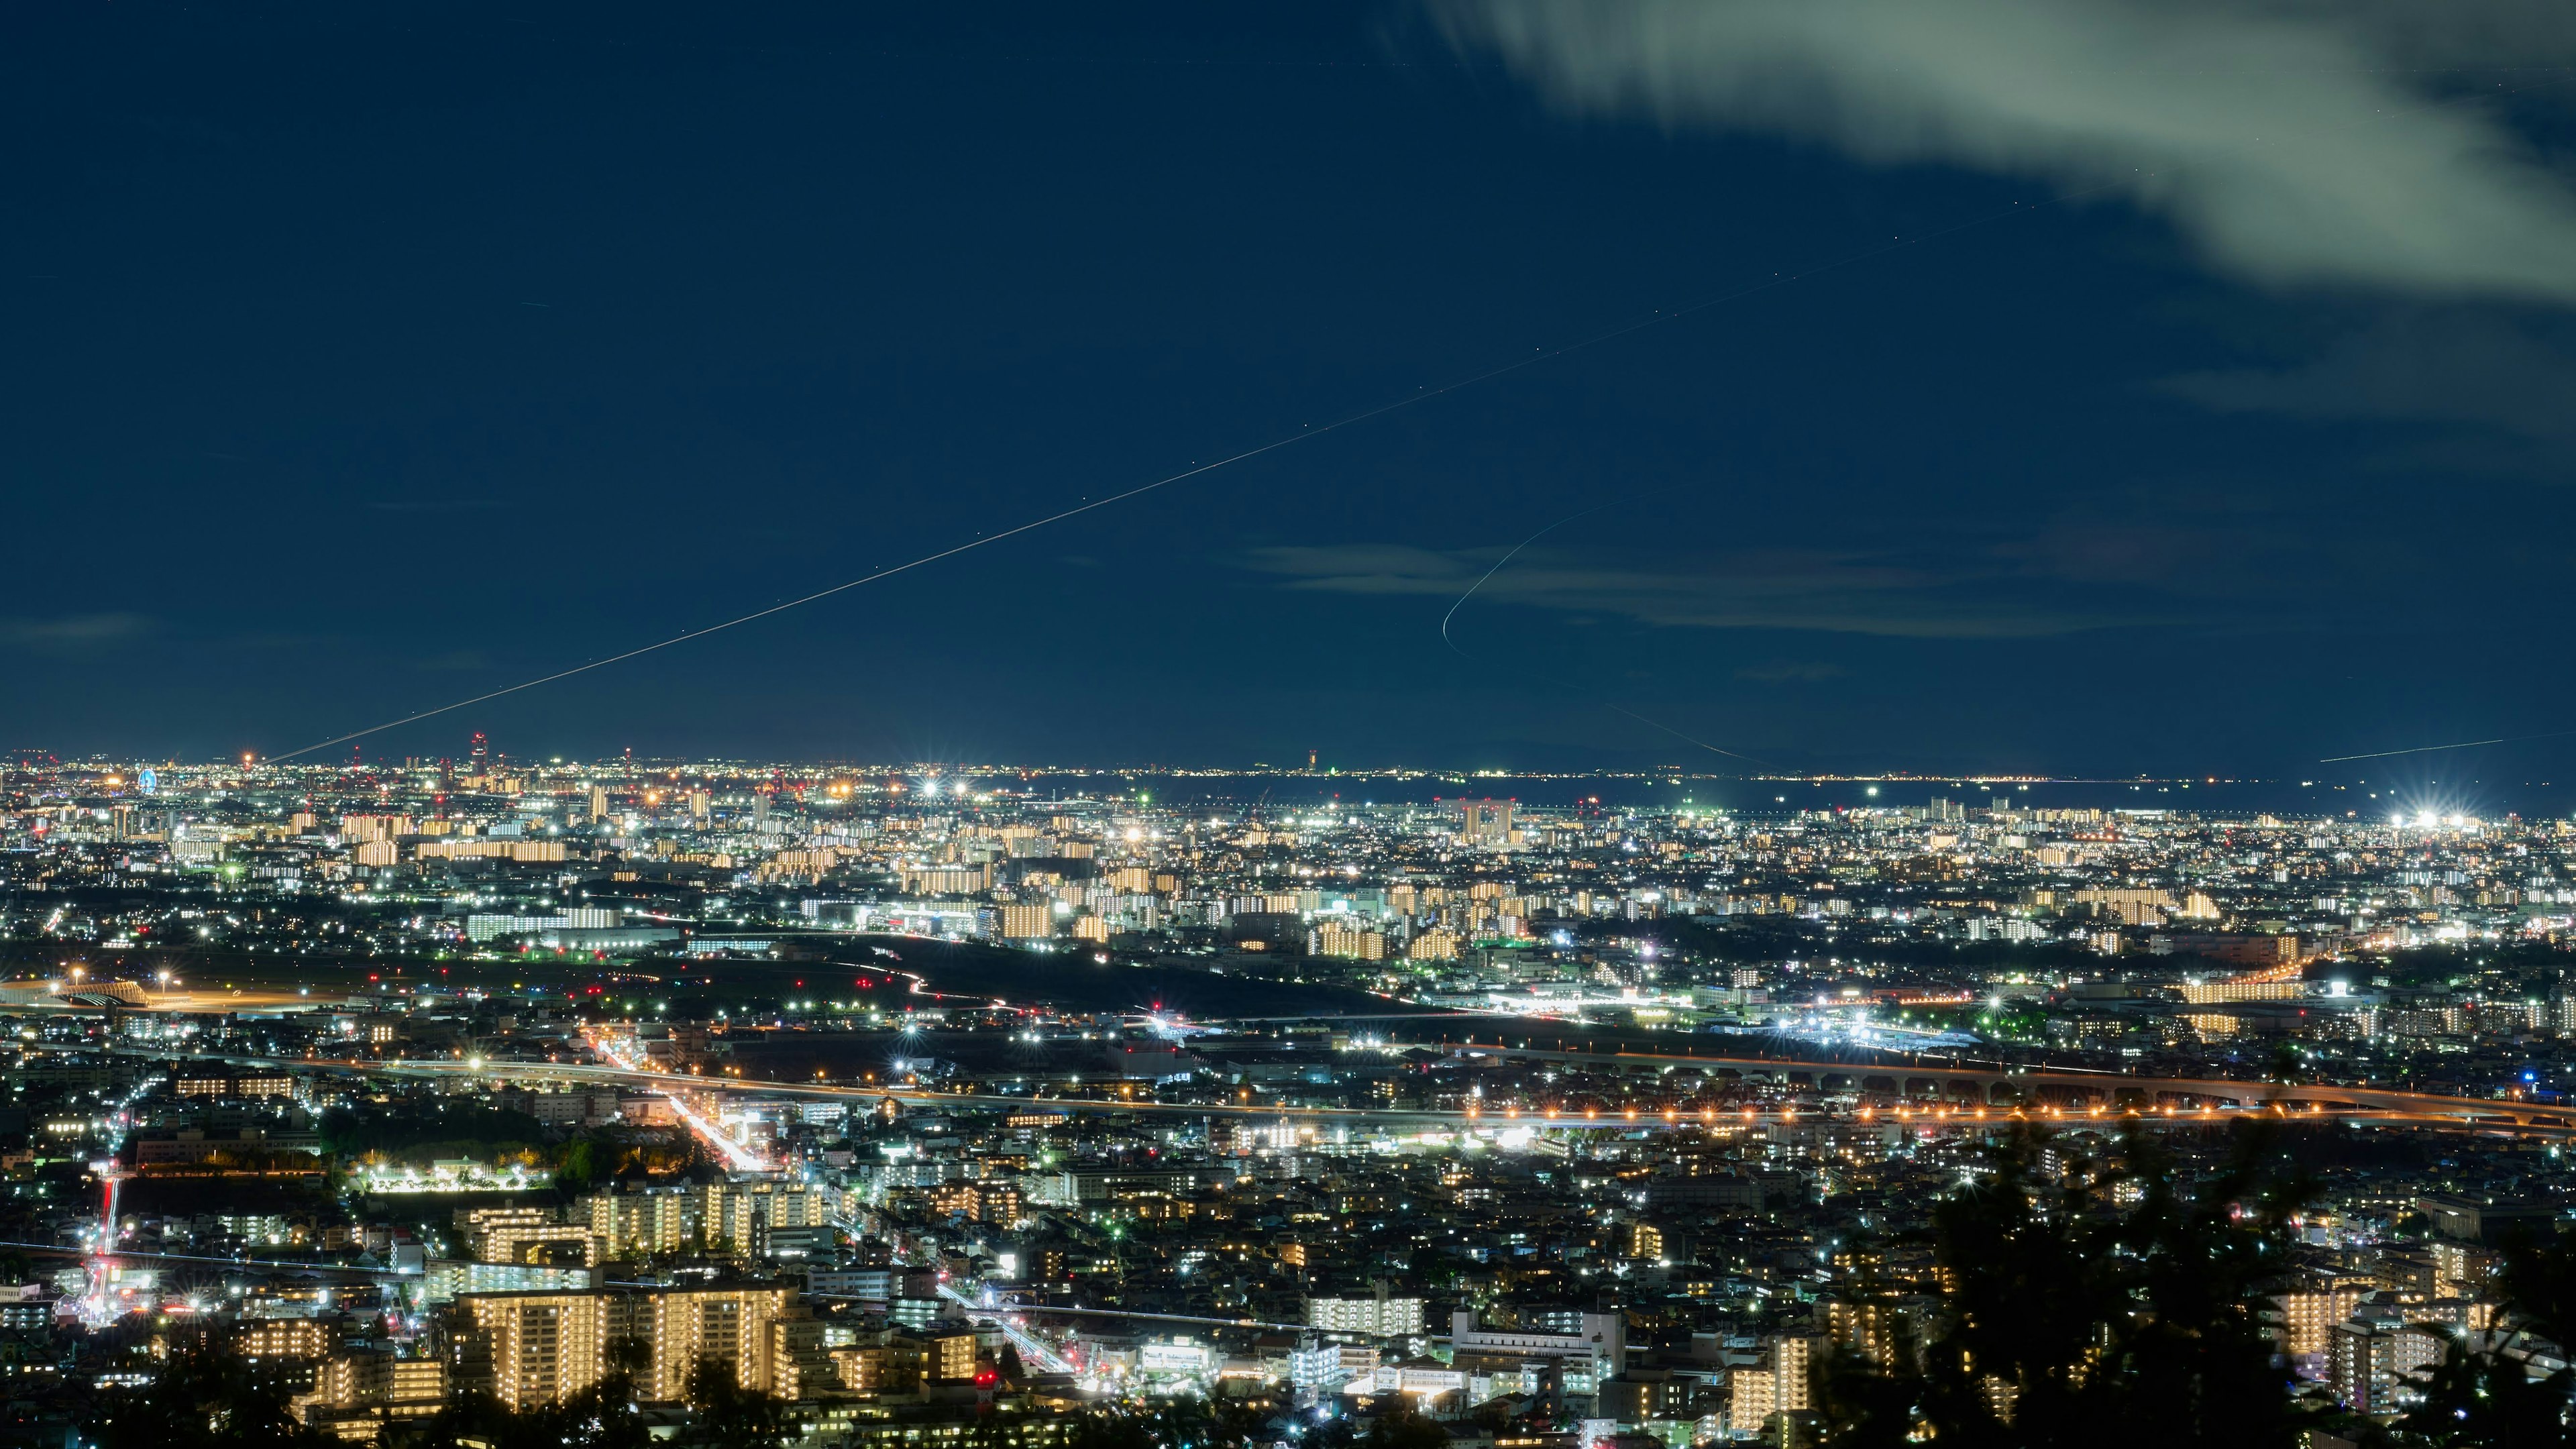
x=1301 y=724
x=921 y=1104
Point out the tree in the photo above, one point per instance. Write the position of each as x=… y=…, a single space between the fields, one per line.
x=731 y=1416
x=1183 y=1422
x=2482 y=1393
x=1405 y=1429
x=2066 y=1320
x=578 y=1165
x=203 y=1394
x=600 y=1417
x=2287 y=1065
x=1110 y=1429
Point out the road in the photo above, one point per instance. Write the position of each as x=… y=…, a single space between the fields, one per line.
x=261 y=1265
x=1031 y=1347
x=2209 y=1099
x=1059 y=1310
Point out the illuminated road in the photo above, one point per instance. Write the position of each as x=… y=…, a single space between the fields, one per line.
x=2200 y=1100
x=1029 y=1344
x=742 y=1158
x=1901 y=1078
x=1058 y=1310
x=260 y=1265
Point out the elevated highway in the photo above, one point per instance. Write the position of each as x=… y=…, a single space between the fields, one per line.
x=2002 y=1085
x=1913 y=1089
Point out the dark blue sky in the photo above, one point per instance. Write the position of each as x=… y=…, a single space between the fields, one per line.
x=361 y=358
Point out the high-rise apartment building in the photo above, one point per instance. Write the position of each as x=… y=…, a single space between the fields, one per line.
x=1435 y=946
x=726 y=1217
x=1780 y=1382
x=547 y=1347
x=637 y=1224
x=1485 y=822
x=1028 y=923
x=356 y=1391
x=1350 y=942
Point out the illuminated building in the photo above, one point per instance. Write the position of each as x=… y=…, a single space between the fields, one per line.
x=546 y=1347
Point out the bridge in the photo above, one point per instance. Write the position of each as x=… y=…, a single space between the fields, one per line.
x=74 y=991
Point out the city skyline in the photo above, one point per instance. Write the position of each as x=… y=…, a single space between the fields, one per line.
x=1309 y=724
x=863 y=1106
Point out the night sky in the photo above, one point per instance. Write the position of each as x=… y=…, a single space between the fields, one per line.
x=2164 y=388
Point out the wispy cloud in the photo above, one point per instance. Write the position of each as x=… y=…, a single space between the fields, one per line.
x=72 y=632
x=1807 y=672
x=2291 y=142
x=1787 y=589
x=2448 y=367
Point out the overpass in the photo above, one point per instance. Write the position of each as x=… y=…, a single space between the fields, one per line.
x=2005 y=1085
x=1873 y=1086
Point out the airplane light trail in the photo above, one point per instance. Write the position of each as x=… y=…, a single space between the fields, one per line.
x=1605 y=704
x=1538 y=355
x=1498 y=568
x=2462 y=745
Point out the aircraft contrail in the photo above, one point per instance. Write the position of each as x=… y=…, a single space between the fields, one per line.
x=1420 y=395
x=1498 y=568
x=1605 y=704
x=1694 y=739
x=2462 y=745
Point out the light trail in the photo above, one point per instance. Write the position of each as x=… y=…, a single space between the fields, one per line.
x=742 y=1158
x=1498 y=568
x=1538 y=355
x=1605 y=704
x=1064 y=1310
x=97 y=1307
x=265 y=1265
x=1029 y=1344
x=2210 y=1099
x=2462 y=745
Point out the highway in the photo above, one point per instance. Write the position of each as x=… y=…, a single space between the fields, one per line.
x=259 y=1265
x=1898 y=1091
x=1059 y=1310
x=1940 y=1079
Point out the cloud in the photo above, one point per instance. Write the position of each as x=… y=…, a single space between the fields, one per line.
x=72 y=632
x=1806 y=673
x=2286 y=141
x=1790 y=589
x=2450 y=367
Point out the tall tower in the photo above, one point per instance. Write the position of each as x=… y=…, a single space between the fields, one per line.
x=481 y=753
